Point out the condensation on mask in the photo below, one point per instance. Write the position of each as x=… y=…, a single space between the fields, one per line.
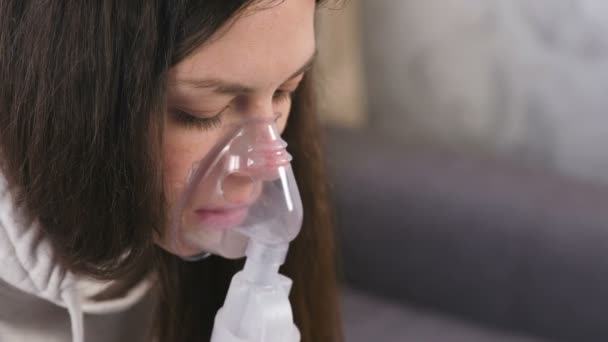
x=243 y=188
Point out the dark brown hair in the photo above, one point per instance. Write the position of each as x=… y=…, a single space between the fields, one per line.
x=81 y=119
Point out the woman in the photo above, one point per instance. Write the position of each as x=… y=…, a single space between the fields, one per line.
x=100 y=103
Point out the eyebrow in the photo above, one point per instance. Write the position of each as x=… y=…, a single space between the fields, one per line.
x=229 y=88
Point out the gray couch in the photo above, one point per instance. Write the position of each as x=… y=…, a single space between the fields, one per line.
x=437 y=246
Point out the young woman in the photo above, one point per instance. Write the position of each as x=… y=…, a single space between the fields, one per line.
x=102 y=104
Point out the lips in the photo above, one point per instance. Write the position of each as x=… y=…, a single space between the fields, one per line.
x=222 y=218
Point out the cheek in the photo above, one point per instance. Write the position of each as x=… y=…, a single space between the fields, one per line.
x=177 y=164
x=181 y=152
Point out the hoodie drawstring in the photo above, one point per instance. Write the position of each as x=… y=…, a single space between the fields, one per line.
x=72 y=302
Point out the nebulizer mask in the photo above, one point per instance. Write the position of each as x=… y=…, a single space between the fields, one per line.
x=242 y=199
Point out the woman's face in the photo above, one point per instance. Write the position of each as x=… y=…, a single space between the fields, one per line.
x=248 y=69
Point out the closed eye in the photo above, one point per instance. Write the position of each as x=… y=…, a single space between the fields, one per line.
x=281 y=96
x=189 y=120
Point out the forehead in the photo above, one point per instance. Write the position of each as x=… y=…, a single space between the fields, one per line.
x=264 y=45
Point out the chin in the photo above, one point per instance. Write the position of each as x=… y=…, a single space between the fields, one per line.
x=228 y=244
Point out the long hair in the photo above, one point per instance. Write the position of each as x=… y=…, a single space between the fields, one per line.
x=81 y=121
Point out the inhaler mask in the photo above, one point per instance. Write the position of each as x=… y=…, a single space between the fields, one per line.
x=243 y=188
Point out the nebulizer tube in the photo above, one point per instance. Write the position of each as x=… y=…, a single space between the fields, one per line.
x=251 y=207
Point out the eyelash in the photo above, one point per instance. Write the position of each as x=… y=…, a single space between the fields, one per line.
x=192 y=121
x=282 y=95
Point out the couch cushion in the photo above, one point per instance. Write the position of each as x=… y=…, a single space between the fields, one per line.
x=370 y=319
x=484 y=240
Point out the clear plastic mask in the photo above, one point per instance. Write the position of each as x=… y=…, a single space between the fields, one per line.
x=243 y=188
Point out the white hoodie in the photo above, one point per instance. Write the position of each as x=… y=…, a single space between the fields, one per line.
x=42 y=301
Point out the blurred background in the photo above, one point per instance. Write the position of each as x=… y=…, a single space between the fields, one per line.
x=468 y=146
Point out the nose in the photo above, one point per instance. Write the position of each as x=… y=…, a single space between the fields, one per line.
x=258 y=154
